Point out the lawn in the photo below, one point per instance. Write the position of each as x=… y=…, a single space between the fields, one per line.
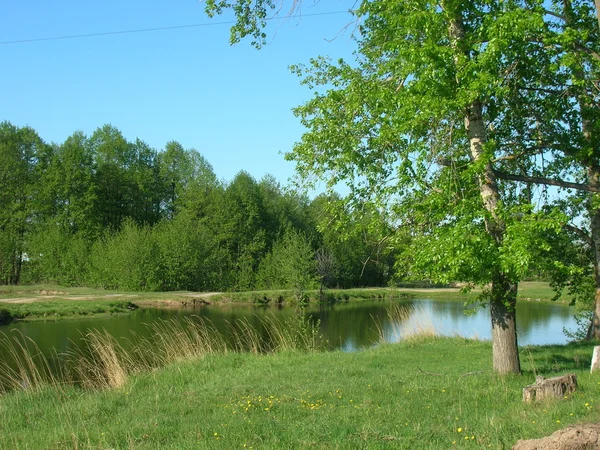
x=423 y=393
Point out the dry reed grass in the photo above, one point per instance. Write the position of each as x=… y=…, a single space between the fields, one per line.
x=405 y=322
x=101 y=362
x=25 y=366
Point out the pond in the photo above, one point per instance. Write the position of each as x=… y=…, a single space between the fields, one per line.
x=348 y=326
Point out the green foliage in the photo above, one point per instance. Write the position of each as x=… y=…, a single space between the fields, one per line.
x=127 y=260
x=361 y=241
x=57 y=256
x=188 y=255
x=289 y=265
x=23 y=159
x=250 y=16
x=59 y=309
x=107 y=212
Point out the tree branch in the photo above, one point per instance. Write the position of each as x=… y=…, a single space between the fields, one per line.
x=553 y=14
x=589 y=51
x=580 y=233
x=546 y=181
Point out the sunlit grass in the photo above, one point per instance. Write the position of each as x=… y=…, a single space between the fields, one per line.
x=418 y=394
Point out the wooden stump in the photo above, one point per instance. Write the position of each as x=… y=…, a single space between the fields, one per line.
x=596 y=359
x=556 y=387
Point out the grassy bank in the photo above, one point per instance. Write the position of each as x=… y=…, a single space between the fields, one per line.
x=330 y=295
x=423 y=393
x=62 y=309
x=536 y=291
x=56 y=302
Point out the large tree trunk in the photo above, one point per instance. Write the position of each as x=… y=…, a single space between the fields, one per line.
x=505 y=351
x=586 y=106
x=503 y=296
x=594 y=330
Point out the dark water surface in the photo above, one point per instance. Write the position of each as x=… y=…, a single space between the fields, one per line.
x=348 y=326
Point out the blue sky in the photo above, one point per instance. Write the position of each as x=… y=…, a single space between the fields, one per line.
x=231 y=103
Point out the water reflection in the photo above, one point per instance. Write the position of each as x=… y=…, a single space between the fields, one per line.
x=348 y=326
x=537 y=323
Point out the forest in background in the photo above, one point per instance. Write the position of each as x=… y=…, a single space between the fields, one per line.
x=102 y=211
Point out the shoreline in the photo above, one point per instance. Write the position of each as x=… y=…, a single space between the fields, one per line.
x=59 y=303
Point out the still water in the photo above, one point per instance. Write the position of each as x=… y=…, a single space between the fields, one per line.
x=349 y=326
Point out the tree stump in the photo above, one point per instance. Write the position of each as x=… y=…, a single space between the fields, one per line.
x=596 y=359
x=556 y=387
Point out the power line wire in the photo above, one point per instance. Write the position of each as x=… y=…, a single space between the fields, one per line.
x=145 y=30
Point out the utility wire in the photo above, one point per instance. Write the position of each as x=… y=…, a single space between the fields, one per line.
x=145 y=30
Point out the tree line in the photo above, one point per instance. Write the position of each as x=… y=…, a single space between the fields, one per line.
x=106 y=212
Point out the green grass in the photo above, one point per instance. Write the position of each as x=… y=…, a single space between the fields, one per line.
x=528 y=291
x=287 y=296
x=61 y=309
x=540 y=291
x=57 y=302
x=421 y=394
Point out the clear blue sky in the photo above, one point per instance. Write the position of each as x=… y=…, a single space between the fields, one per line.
x=233 y=104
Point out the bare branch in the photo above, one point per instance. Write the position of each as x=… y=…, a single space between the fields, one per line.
x=553 y=14
x=580 y=233
x=546 y=181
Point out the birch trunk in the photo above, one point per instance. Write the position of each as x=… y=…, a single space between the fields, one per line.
x=503 y=295
x=594 y=329
x=586 y=105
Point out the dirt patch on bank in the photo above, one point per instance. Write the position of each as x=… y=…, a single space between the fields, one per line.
x=44 y=297
x=576 y=437
x=176 y=300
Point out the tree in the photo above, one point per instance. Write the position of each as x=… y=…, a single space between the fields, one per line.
x=409 y=127
x=71 y=192
x=236 y=218
x=359 y=239
x=290 y=265
x=326 y=266
x=556 y=145
x=113 y=156
x=143 y=176
x=186 y=178
x=23 y=159
x=126 y=178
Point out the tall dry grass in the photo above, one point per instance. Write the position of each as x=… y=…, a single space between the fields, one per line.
x=25 y=367
x=405 y=322
x=101 y=362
